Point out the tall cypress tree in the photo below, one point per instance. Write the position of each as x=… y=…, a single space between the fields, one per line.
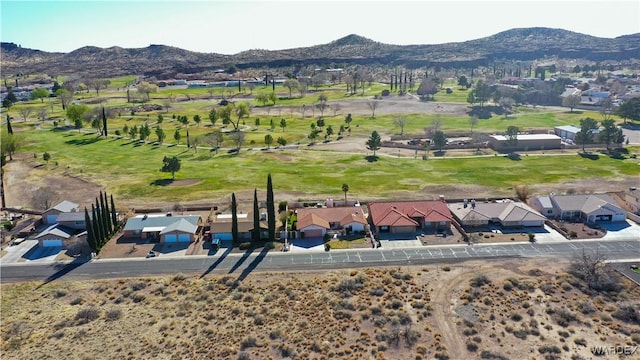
x=234 y=219
x=102 y=228
x=104 y=216
x=9 y=128
x=256 y=217
x=90 y=237
x=114 y=216
x=95 y=224
x=104 y=122
x=107 y=213
x=271 y=210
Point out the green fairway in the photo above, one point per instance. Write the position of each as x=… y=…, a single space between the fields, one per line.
x=132 y=170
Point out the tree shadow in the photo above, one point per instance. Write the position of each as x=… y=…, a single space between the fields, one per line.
x=514 y=156
x=161 y=182
x=80 y=142
x=371 y=158
x=439 y=153
x=217 y=262
x=590 y=156
x=241 y=260
x=64 y=269
x=254 y=264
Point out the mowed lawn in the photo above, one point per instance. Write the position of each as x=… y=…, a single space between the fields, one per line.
x=132 y=171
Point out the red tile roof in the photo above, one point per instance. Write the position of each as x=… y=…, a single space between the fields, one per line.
x=323 y=216
x=400 y=213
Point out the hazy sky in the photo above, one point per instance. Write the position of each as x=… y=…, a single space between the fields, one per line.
x=229 y=27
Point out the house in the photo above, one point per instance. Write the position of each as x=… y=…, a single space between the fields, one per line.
x=73 y=220
x=526 y=142
x=55 y=235
x=221 y=227
x=591 y=208
x=316 y=222
x=50 y=216
x=166 y=228
x=568 y=132
x=409 y=216
x=506 y=213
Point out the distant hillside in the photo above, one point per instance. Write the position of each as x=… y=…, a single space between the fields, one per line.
x=516 y=44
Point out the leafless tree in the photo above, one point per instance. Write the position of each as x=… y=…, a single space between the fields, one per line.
x=44 y=198
x=607 y=109
x=238 y=138
x=25 y=112
x=522 y=192
x=594 y=270
x=373 y=105
x=42 y=113
x=436 y=125
x=400 y=122
x=335 y=107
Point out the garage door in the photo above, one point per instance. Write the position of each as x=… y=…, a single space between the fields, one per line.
x=170 y=238
x=184 y=238
x=52 y=242
x=51 y=219
x=619 y=217
x=313 y=233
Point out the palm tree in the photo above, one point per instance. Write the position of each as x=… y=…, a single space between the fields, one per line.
x=345 y=189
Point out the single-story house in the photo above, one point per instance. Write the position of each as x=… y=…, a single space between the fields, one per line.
x=73 y=220
x=409 y=216
x=631 y=198
x=221 y=227
x=505 y=213
x=163 y=227
x=526 y=142
x=55 y=235
x=315 y=222
x=50 y=216
x=590 y=208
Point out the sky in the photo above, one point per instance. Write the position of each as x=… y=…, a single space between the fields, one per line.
x=229 y=27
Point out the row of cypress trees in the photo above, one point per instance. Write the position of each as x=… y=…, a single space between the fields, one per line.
x=102 y=223
x=271 y=215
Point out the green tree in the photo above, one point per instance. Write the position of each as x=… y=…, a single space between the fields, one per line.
x=268 y=140
x=262 y=98
x=40 y=93
x=630 y=109
x=9 y=128
x=234 y=219
x=329 y=131
x=255 y=235
x=271 y=210
x=463 y=82
x=146 y=89
x=133 y=132
x=345 y=190
x=585 y=135
x=571 y=101
x=91 y=239
x=197 y=119
x=177 y=136
x=348 y=119
x=512 y=136
x=283 y=124
x=610 y=133
x=273 y=97
x=46 y=157
x=374 y=142
x=77 y=123
x=160 y=134
x=171 y=164
x=213 y=116
x=76 y=112
x=281 y=141
x=291 y=84
x=482 y=92
x=114 y=215
x=10 y=144
x=439 y=140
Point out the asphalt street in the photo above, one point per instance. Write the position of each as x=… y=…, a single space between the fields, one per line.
x=243 y=264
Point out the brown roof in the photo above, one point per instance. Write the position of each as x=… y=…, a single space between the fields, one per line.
x=400 y=213
x=323 y=216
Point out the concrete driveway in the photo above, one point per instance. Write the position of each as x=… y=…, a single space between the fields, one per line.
x=15 y=253
x=400 y=243
x=627 y=230
x=306 y=245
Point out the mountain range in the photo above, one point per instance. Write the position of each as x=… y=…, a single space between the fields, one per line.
x=522 y=44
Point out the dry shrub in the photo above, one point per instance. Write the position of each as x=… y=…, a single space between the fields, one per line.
x=86 y=315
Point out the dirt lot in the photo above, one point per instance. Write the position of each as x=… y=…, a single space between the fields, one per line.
x=512 y=309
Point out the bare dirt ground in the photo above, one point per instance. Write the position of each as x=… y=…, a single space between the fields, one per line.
x=513 y=309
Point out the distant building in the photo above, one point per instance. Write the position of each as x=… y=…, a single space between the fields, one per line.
x=526 y=142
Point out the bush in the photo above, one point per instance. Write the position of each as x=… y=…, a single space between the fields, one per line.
x=113 y=314
x=549 y=349
x=248 y=342
x=379 y=291
x=87 y=314
x=480 y=280
x=245 y=245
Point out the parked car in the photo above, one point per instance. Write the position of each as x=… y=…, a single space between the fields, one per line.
x=151 y=254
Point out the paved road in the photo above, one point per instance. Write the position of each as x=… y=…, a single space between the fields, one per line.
x=243 y=264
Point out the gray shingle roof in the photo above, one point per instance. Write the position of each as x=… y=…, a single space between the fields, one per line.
x=65 y=206
x=57 y=230
x=139 y=222
x=181 y=225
